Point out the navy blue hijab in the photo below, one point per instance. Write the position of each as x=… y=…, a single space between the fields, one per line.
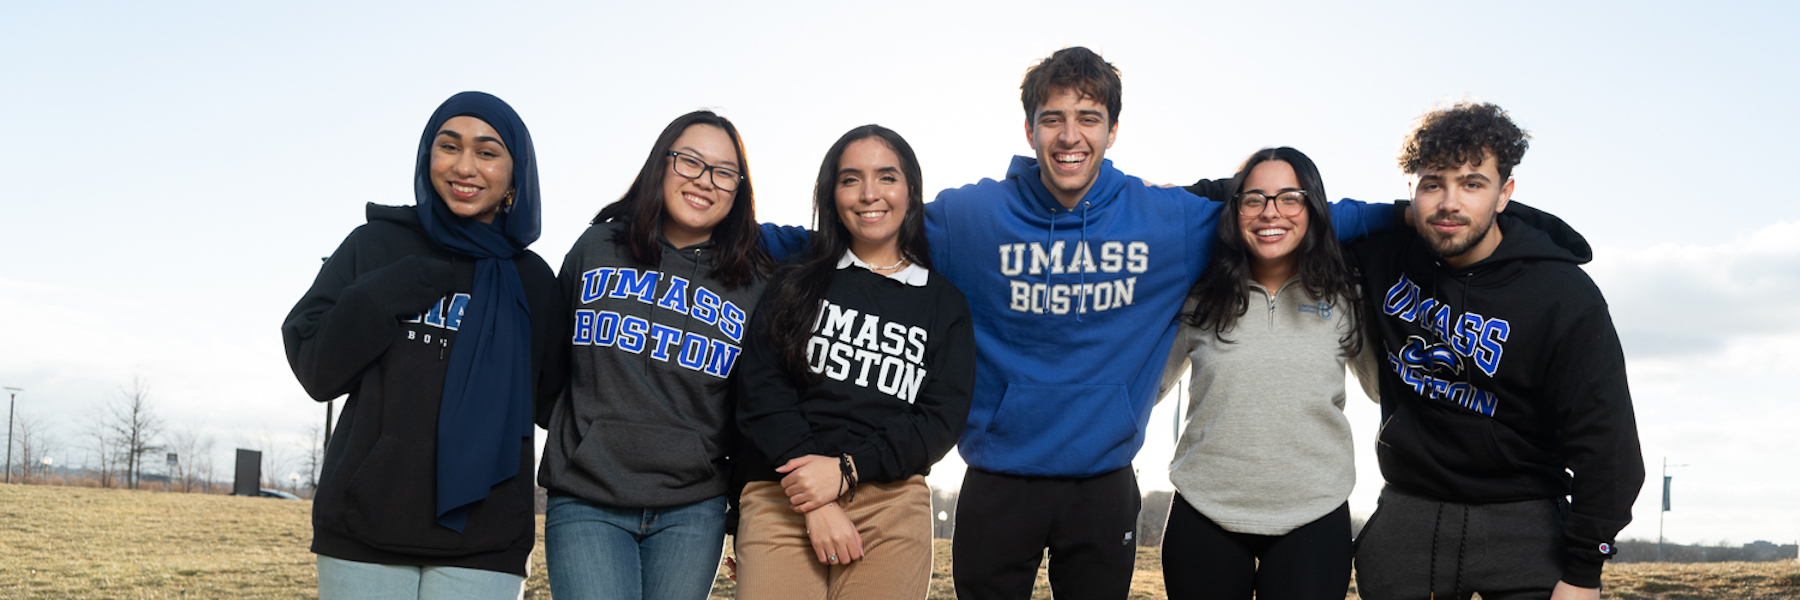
x=485 y=413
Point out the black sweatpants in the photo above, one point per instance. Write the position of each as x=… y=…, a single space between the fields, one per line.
x=1204 y=561
x=1413 y=546
x=1004 y=523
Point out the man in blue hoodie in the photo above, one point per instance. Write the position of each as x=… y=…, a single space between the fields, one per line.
x=1073 y=323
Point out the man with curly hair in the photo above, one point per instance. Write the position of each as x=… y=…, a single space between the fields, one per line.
x=1508 y=441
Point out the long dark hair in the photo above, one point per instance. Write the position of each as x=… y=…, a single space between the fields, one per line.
x=739 y=258
x=795 y=306
x=1221 y=293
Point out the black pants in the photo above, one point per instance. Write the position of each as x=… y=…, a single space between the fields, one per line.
x=1204 y=561
x=1004 y=523
x=1413 y=547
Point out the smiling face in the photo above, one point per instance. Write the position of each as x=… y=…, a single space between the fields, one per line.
x=1454 y=208
x=1270 y=237
x=471 y=169
x=693 y=207
x=1070 y=133
x=872 y=196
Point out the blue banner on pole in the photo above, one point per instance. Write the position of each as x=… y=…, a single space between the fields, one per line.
x=1666 y=479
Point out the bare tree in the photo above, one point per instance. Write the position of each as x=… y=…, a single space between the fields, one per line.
x=135 y=428
x=203 y=463
x=193 y=466
x=315 y=458
x=100 y=443
x=33 y=443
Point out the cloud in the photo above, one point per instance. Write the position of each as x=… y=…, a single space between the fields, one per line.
x=1683 y=301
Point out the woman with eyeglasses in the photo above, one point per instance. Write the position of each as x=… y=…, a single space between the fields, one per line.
x=443 y=329
x=1264 y=464
x=662 y=285
x=856 y=381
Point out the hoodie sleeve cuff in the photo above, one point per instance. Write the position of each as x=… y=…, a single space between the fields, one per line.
x=1582 y=572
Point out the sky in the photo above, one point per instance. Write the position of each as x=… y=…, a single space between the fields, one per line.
x=176 y=170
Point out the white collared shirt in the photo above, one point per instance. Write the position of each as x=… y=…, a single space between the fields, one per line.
x=913 y=275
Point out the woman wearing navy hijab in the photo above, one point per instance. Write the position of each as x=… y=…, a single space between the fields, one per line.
x=443 y=329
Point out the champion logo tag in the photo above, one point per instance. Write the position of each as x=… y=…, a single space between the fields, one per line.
x=1127 y=541
x=1606 y=548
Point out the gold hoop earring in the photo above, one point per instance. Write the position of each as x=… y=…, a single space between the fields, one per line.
x=508 y=199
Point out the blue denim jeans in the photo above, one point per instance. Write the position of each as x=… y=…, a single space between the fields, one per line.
x=594 y=551
x=344 y=579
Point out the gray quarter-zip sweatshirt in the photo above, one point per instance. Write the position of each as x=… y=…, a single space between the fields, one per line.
x=1265 y=447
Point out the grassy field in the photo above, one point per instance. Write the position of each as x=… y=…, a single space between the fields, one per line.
x=63 y=542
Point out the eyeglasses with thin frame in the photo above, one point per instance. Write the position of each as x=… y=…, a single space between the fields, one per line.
x=1289 y=203
x=691 y=167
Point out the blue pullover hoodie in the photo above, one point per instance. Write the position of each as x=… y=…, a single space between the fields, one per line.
x=1075 y=309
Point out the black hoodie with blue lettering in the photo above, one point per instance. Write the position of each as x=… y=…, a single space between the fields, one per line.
x=1501 y=377
x=378 y=324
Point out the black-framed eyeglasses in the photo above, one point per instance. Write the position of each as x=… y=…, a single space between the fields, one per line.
x=1289 y=203
x=691 y=167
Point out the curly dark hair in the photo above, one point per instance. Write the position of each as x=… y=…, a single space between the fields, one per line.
x=1463 y=134
x=1074 y=68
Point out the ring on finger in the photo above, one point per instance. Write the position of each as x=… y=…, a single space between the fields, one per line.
x=832 y=558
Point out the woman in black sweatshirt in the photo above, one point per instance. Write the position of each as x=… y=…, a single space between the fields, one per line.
x=855 y=381
x=442 y=328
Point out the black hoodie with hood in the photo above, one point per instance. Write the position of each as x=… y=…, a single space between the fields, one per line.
x=1499 y=378
x=378 y=324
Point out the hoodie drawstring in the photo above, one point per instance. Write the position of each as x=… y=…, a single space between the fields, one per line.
x=1075 y=259
x=1081 y=305
x=1049 y=242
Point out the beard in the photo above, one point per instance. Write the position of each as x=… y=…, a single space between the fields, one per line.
x=1454 y=244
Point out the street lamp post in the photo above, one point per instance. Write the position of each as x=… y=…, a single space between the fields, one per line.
x=13 y=399
x=1665 y=508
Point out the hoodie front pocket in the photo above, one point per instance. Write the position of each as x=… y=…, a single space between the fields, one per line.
x=657 y=456
x=1453 y=440
x=391 y=503
x=1069 y=430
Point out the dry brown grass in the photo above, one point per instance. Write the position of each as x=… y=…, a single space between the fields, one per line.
x=62 y=542
x=66 y=542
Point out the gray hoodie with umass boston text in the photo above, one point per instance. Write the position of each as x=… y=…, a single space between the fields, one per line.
x=646 y=420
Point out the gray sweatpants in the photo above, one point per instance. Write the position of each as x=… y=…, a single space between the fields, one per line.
x=1413 y=547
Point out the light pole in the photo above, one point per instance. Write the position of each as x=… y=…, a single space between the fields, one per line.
x=14 y=397
x=1665 y=507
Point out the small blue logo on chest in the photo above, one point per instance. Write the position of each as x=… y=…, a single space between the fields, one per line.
x=1322 y=309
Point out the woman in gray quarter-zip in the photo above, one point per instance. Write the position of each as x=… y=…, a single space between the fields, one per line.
x=662 y=285
x=1264 y=464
